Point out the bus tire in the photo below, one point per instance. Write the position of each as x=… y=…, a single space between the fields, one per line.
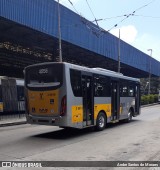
x=101 y=121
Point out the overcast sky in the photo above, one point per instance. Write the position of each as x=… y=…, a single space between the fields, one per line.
x=141 y=30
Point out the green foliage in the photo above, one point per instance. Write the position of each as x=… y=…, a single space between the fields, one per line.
x=144 y=100
x=156 y=98
x=148 y=99
x=151 y=98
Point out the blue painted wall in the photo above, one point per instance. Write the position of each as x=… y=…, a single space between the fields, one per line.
x=41 y=15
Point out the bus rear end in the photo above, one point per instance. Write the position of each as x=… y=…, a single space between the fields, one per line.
x=45 y=94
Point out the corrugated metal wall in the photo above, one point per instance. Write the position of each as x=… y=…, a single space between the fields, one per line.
x=41 y=15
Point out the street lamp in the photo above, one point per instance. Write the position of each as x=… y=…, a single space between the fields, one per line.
x=145 y=87
x=149 y=85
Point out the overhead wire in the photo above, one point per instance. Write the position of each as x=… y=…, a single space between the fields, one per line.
x=92 y=13
x=119 y=16
x=86 y=22
x=145 y=16
x=135 y=15
x=108 y=18
x=144 y=5
x=100 y=31
x=126 y=16
x=131 y=14
x=73 y=7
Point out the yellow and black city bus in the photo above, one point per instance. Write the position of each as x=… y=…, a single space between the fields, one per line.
x=68 y=95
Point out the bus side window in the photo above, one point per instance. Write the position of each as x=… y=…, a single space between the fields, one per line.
x=102 y=86
x=123 y=89
x=131 y=91
x=75 y=76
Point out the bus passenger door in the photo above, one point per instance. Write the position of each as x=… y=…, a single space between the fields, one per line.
x=115 y=100
x=88 y=100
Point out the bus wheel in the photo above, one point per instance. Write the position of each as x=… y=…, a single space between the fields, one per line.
x=101 y=121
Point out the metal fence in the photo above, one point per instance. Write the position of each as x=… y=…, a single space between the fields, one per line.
x=14 y=118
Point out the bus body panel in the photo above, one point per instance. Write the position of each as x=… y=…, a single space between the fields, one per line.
x=43 y=103
x=102 y=104
x=46 y=106
x=126 y=104
x=74 y=104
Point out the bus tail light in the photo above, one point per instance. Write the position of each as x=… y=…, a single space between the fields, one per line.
x=63 y=106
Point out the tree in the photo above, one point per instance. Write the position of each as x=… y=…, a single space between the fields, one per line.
x=155 y=85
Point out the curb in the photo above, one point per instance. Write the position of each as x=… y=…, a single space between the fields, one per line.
x=25 y=122
x=153 y=104
x=13 y=123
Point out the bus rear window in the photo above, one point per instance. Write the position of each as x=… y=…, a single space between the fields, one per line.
x=44 y=77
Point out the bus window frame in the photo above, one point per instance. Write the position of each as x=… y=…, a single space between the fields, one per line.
x=106 y=84
x=44 y=88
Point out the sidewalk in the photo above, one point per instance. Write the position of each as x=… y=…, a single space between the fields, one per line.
x=147 y=105
x=11 y=120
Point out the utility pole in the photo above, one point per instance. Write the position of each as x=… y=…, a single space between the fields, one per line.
x=119 y=53
x=59 y=33
x=149 y=85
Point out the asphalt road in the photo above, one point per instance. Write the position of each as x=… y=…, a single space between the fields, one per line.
x=138 y=140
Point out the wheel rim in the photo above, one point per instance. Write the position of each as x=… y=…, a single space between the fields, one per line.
x=101 y=121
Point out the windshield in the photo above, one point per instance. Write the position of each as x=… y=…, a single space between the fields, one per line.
x=44 y=77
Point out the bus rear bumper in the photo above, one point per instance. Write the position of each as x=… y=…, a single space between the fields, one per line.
x=54 y=121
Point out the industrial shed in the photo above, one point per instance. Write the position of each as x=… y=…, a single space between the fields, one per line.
x=29 y=34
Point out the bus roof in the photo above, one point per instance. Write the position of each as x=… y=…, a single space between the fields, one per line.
x=92 y=70
x=102 y=71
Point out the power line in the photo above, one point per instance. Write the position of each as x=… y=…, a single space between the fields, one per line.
x=92 y=13
x=135 y=15
x=125 y=15
x=144 y=5
x=73 y=7
x=114 y=17
x=131 y=14
x=109 y=18
x=98 y=31
x=84 y=21
x=95 y=30
x=155 y=17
